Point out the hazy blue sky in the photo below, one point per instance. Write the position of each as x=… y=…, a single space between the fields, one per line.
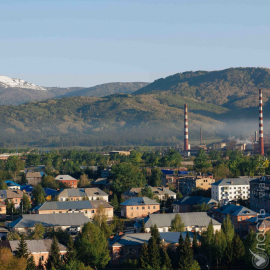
x=88 y=42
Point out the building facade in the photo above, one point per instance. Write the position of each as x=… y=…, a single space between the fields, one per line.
x=14 y=196
x=139 y=207
x=3 y=211
x=68 y=180
x=230 y=189
x=33 y=178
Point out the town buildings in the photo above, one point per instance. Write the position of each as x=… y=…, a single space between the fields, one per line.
x=39 y=249
x=128 y=246
x=238 y=214
x=14 y=196
x=34 y=178
x=230 y=189
x=68 y=180
x=12 y=185
x=186 y=204
x=3 y=211
x=77 y=194
x=160 y=192
x=193 y=221
x=260 y=194
x=71 y=222
x=88 y=208
x=139 y=207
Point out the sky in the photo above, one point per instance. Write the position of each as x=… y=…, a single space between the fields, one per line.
x=87 y=42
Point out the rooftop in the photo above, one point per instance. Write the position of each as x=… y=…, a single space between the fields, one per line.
x=155 y=190
x=191 y=200
x=233 y=181
x=234 y=210
x=81 y=192
x=189 y=219
x=49 y=220
x=11 y=183
x=65 y=177
x=139 y=201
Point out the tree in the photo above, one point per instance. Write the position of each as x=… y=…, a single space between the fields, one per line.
x=13 y=236
x=147 y=192
x=144 y=257
x=38 y=194
x=40 y=265
x=8 y=261
x=220 y=248
x=71 y=251
x=25 y=203
x=3 y=185
x=201 y=162
x=228 y=229
x=186 y=254
x=38 y=232
x=126 y=176
x=23 y=179
x=21 y=250
x=155 y=234
x=54 y=259
x=84 y=181
x=179 y=196
x=92 y=248
x=201 y=207
x=155 y=178
x=153 y=253
x=143 y=227
x=100 y=219
x=207 y=240
x=14 y=165
x=118 y=225
x=195 y=242
x=177 y=225
x=114 y=202
x=166 y=261
x=75 y=265
x=31 y=263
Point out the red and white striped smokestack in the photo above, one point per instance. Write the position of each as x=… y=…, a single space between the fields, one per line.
x=261 y=146
x=186 y=129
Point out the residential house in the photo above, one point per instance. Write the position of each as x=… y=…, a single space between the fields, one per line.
x=194 y=221
x=186 y=204
x=238 y=214
x=39 y=249
x=71 y=222
x=231 y=189
x=34 y=178
x=27 y=189
x=89 y=208
x=3 y=210
x=14 y=196
x=77 y=194
x=128 y=246
x=260 y=223
x=159 y=192
x=188 y=184
x=49 y=192
x=139 y=207
x=3 y=234
x=68 y=180
x=260 y=194
x=12 y=185
x=106 y=173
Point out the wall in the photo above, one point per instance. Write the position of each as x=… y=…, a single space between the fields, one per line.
x=138 y=211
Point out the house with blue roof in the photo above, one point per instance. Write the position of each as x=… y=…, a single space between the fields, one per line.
x=12 y=185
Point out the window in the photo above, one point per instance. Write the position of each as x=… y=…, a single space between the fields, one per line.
x=60 y=212
x=143 y=208
x=85 y=211
x=61 y=199
x=137 y=208
x=71 y=199
x=240 y=219
x=148 y=207
x=41 y=258
x=131 y=208
x=66 y=211
x=93 y=211
x=15 y=200
x=154 y=207
x=72 y=182
x=53 y=212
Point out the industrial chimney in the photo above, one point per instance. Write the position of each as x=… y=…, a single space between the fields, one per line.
x=261 y=146
x=186 y=129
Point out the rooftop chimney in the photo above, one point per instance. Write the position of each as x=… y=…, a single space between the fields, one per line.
x=186 y=129
x=261 y=146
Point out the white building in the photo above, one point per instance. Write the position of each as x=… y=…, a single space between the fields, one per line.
x=230 y=189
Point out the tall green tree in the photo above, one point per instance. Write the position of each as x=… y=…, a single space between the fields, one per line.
x=179 y=196
x=201 y=161
x=155 y=178
x=166 y=261
x=144 y=257
x=186 y=254
x=38 y=232
x=114 y=202
x=22 y=250
x=195 y=243
x=92 y=247
x=23 y=179
x=25 y=203
x=54 y=258
x=228 y=229
x=38 y=194
x=153 y=252
x=31 y=263
x=71 y=250
x=177 y=225
x=143 y=227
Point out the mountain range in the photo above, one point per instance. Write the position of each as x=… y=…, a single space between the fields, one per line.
x=222 y=102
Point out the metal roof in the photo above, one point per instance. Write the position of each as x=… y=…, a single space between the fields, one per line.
x=133 y=239
x=190 y=200
x=65 y=177
x=235 y=210
x=49 y=220
x=81 y=192
x=139 y=201
x=155 y=190
x=36 y=246
x=189 y=219
x=241 y=181
x=72 y=205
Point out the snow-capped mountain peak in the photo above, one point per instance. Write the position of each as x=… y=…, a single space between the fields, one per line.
x=7 y=82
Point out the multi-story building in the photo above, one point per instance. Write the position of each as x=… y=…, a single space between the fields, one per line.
x=77 y=194
x=260 y=194
x=238 y=214
x=34 y=178
x=68 y=180
x=159 y=192
x=231 y=189
x=139 y=207
x=14 y=196
x=89 y=208
x=190 y=183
